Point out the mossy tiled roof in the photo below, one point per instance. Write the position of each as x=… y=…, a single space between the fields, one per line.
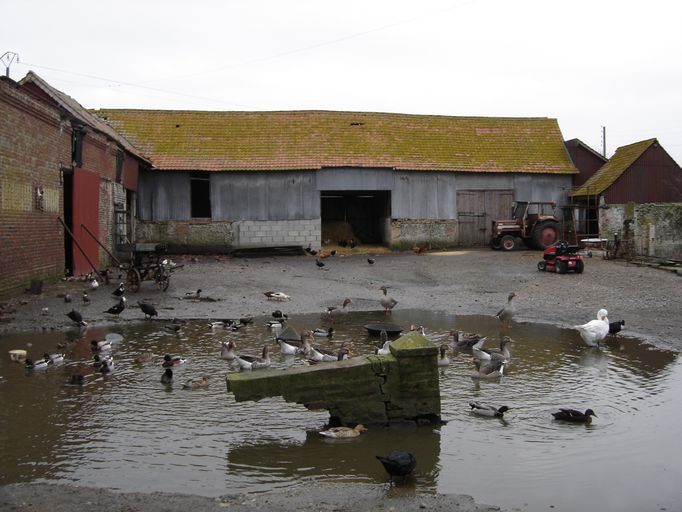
x=224 y=141
x=621 y=160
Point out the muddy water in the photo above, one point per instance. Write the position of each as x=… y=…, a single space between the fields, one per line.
x=126 y=431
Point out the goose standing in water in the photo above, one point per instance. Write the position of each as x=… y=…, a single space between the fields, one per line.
x=387 y=302
x=506 y=314
x=489 y=371
x=335 y=311
x=227 y=350
x=255 y=363
x=486 y=354
x=594 y=331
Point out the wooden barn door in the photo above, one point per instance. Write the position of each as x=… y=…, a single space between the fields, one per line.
x=475 y=211
x=85 y=213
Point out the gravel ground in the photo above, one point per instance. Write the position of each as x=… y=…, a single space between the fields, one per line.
x=461 y=282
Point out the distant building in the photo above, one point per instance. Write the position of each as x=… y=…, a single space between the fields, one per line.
x=639 y=196
x=227 y=180
x=586 y=160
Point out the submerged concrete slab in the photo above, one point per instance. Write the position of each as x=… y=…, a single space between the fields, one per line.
x=369 y=390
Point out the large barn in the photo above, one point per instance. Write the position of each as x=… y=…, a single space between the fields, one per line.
x=226 y=180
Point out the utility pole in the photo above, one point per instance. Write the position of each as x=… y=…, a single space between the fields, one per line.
x=7 y=58
x=603 y=141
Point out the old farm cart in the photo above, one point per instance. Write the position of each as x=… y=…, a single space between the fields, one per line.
x=148 y=264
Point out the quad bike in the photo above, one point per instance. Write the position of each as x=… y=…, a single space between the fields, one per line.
x=562 y=258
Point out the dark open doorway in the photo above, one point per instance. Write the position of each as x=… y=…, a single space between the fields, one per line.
x=68 y=220
x=364 y=214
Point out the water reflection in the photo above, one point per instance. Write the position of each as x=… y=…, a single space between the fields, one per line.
x=127 y=431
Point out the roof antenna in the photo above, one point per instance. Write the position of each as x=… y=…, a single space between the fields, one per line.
x=603 y=141
x=7 y=58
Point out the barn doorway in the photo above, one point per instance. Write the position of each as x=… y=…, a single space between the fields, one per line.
x=361 y=215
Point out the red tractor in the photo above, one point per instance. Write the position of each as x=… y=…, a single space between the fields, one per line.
x=532 y=223
x=562 y=258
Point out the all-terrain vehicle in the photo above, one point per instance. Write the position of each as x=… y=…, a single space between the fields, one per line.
x=533 y=223
x=562 y=258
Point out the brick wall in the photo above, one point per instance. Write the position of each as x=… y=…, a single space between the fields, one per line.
x=34 y=144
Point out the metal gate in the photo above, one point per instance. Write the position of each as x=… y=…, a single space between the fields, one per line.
x=475 y=211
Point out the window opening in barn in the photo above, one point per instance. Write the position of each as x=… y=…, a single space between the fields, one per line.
x=200 y=190
x=119 y=165
x=77 y=147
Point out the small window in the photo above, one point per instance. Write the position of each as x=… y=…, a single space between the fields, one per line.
x=77 y=147
x=200 y=186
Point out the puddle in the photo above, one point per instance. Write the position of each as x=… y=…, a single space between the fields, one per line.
x=126 y=431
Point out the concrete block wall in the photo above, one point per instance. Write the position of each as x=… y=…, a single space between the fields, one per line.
x=34 y=144
x=187 y=236
x=253 y=233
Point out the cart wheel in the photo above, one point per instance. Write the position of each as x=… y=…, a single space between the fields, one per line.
x=163 y=280
x=133 y=280
x=561 y=267
x=579 y=267
x=542 y=266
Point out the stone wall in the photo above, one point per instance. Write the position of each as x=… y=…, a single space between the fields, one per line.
x=187 y=236
x=648 y=229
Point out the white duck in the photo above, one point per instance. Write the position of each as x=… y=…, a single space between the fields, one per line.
x=255 y=363
x=384 y=350
x=594 y=331
x=227 y=350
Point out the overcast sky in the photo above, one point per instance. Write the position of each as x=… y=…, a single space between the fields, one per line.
x=586 y=63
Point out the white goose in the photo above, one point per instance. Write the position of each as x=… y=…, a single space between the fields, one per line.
x=594 y=331
x=384 y=350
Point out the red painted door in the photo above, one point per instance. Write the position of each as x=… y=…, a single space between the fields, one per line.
x=85 y=213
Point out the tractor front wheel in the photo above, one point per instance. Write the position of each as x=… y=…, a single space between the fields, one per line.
x=508 y=243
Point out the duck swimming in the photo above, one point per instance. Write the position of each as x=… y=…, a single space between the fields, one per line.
x=144 y=357
x=489 y=371
x=100 y=346
x=323 y=333
x=385 y=349
x=594 y=331
x=443 y=360
x=196 y=383
x=54 y=358
x=344 y=432
x=170 y=361
x=488 y=410
x=574 y=416
x=39 y=364
x=461 y=340
x=167 y=376
x=486 y=354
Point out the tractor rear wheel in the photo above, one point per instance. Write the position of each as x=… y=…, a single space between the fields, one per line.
x=508 y=243
x=545 y=234
x=579 y=267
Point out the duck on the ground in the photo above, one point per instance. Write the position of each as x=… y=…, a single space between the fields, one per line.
x=280 y=296
x=574 y=416
x=398 y=463
x=488 y=410
x=193 y=295
x=76 y=317
x=344 y=432
x=196 y=383
x=148 y=310
x=167 y=376
x=117 y=308
x=387 y=302
x=594 y=331
x=227 y=350
x=86 y=299
x=170 y=361
x=253 y=362
x=119 y=291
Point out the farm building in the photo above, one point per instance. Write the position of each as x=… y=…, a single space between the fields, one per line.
x=226 y=180
x=639 y=197
x=67 y=178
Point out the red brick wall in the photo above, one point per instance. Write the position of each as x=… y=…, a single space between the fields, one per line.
x=34 y=143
